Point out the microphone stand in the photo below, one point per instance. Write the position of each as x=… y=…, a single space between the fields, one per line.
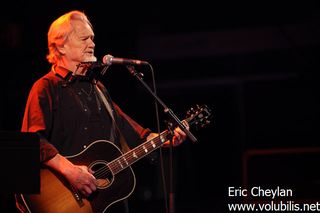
x=168 y=111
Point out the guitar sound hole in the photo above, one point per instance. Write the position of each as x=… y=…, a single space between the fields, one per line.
x=102 y=173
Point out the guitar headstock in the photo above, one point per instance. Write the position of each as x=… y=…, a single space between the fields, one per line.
x=199 y=116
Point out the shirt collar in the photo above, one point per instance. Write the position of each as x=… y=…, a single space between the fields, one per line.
x=62 y=72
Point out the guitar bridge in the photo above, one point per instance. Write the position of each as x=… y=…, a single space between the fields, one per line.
x=77 y=196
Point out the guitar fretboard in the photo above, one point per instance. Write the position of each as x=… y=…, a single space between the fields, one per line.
x=138 y=152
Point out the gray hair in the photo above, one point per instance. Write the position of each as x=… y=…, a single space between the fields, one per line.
x=59 y=32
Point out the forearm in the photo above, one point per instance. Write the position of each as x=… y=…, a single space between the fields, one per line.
x=60 y=164
x=79 y=176
x=47 y=150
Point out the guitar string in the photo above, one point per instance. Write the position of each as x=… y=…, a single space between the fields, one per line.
x=114 y=165
x=117 y=166
x=139 y=151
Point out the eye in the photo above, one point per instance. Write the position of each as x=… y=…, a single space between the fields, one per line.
x=88 y=38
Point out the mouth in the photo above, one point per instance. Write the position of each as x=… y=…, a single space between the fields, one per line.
x=89 y=56
x=89 y=53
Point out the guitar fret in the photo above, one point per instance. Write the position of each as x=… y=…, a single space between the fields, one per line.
x=125 y=160
x=134 y=155
x=162 y=139
x=145 y=149
x=152 y=144
x=120 y=163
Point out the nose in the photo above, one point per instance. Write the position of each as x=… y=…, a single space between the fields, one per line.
x=91 y=43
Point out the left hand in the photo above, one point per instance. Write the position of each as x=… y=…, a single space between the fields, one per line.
x=179 y=136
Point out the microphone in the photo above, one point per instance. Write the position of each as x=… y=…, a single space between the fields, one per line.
x=109 y=60
x=95 y=69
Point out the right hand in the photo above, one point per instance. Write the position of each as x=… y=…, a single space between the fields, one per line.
x=80 y=177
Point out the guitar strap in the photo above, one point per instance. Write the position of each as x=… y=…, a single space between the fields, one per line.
x=124 y=146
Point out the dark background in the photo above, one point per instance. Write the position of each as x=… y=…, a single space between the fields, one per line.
x=255 y=66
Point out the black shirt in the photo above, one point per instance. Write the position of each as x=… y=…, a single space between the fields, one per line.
x=70 y=115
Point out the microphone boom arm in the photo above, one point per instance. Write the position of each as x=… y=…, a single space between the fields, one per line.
x=166 y=109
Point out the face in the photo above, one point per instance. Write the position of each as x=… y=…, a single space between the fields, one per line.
x=79 y=46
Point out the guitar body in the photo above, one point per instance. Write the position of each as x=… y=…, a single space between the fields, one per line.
x=57 y=195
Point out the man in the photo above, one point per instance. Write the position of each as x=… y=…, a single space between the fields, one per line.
x=69 y=110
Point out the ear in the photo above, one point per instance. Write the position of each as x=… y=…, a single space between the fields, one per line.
x=62 y=49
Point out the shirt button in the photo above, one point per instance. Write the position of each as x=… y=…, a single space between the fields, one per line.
x=85 y=109
x=85 y=128
x=85 y=146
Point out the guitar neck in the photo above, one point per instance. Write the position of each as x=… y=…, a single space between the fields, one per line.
x=138 y=152
x=197 y=118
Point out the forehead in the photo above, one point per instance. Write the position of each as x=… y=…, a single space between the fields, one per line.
x=81 y=28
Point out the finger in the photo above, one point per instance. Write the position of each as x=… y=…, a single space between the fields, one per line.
x=176 y=140
x=93 y=185
x=178 y=132
x=186 y=124
x=86 y=190
x=181 y=136
x=181 y=132
x=90 y=170
x=91 y=182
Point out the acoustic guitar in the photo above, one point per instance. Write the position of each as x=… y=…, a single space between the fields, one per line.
x=112 y=169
